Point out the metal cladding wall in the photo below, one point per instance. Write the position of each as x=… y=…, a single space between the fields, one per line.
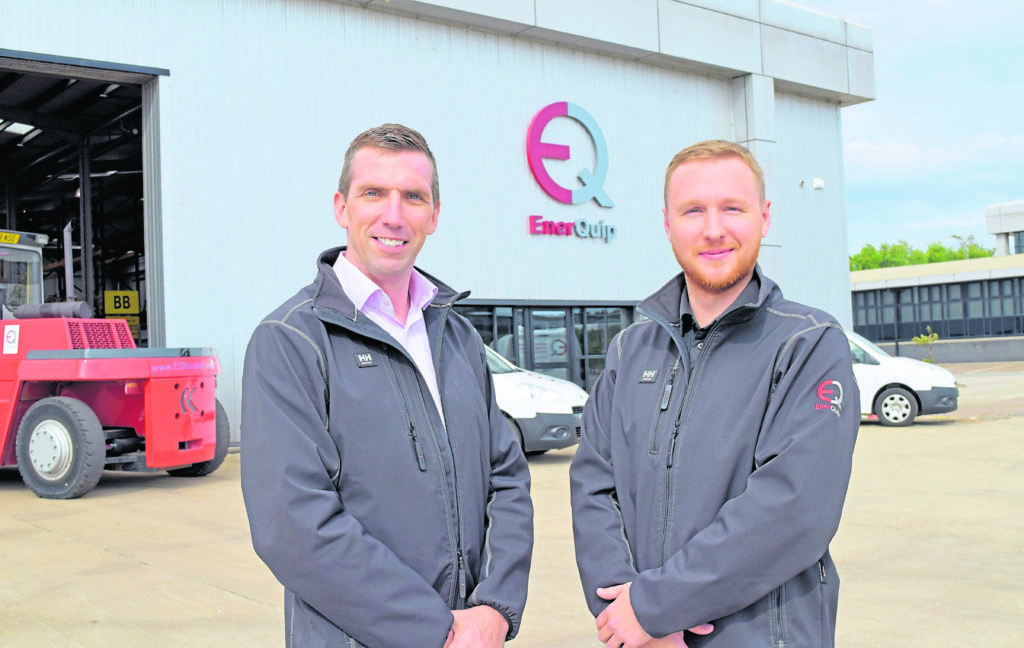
x=810 y=220
x=263 y=96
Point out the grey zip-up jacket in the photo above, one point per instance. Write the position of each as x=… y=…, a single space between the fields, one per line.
x=376 y=519
x=715 y=489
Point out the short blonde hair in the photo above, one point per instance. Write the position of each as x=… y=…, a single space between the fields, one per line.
x=716 y=150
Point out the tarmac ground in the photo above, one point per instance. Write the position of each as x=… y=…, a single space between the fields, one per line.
x=930 y=550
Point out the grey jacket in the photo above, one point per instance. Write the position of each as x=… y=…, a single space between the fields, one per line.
x=376 y=519
x=716 y=492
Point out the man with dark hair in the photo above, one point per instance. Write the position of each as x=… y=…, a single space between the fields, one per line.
x=384 y=488
x=717 y=444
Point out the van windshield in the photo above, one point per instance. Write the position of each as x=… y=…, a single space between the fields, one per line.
x=867 y=344
x=497 y=362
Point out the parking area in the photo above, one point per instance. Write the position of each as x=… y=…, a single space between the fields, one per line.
x=930 y=548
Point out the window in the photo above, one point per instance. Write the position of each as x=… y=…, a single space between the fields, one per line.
x=598 y=326
x=538 y=338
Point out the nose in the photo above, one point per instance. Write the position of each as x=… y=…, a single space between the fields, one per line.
x=714 y=225
x=391 y=214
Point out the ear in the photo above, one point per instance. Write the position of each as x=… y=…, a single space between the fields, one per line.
x=433 y=218
x=766 y=218
x=340 y=214
x=664 y=211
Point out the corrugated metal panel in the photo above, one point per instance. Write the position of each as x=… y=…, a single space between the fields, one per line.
x=810 y=222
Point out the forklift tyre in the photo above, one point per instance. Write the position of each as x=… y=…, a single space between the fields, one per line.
x=61 y=448
x=204 y=468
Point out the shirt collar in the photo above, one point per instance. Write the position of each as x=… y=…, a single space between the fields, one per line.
x=687 y=320
x=361 y=289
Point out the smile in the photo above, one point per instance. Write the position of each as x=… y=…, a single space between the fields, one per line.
x=715 y=254
x=390 y=242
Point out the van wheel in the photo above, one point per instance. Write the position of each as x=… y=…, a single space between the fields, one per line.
x=61 y=449
x=204 y=468
x=896 y=407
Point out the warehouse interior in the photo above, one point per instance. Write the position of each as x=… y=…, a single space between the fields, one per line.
x=61 y=121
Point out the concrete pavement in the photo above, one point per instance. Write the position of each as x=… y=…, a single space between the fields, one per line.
x=930 y=548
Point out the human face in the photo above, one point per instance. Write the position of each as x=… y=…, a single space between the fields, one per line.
x=388 y=213
x=715 y=220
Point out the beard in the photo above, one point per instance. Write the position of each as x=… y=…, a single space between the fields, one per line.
x=726 y=278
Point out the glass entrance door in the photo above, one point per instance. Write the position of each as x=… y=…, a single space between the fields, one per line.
x=553 y=349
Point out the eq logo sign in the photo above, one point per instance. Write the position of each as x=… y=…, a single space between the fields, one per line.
x=536 y=151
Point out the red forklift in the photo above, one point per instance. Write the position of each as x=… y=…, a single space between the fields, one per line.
x=77 y=396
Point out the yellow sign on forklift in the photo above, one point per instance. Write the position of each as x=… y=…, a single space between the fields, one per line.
x=121 y=302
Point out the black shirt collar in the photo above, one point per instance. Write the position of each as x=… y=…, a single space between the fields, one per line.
x=687 y=322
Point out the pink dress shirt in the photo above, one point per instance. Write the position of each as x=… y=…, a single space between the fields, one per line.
x=371 y=300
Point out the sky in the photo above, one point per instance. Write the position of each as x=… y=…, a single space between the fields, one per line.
x=944 y=137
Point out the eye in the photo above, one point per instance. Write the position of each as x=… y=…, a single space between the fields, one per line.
x=371 y=193
x=414 y=196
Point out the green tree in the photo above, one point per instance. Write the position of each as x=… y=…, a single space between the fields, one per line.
x=901 y=253
x=866 y=259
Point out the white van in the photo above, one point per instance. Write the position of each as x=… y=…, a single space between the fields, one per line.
x=544 y=412
x=897 y=390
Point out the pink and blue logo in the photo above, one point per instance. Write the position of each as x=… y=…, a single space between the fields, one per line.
x=537 y=151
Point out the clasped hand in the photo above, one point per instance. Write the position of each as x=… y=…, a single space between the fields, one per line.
x=617 y=625
x=477 y=627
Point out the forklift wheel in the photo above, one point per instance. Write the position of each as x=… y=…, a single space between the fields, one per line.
x=61 y=448
x=223 y=439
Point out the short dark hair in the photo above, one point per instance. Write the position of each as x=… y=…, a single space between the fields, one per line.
x=394 y=138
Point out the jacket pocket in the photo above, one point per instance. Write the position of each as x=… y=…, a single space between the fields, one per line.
x=663 y=403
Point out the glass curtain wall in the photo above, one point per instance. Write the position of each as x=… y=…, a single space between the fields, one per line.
x=568 y=342
x=987 y=308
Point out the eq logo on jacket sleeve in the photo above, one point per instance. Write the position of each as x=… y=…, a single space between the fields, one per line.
x=831 y=392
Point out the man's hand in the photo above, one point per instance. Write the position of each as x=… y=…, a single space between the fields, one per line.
x=618 y=626
x=477 y=627
x=676 y=639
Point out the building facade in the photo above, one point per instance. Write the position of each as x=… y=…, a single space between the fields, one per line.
x=552 y=122
x=973 y=298
x=1006 y=221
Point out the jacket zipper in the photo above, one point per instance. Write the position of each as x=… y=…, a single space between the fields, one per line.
x=666 y=397
x=462 y=576
x=458 y=589
x=671 y=450
x=667 y=498
x=672 y=445
x=417 y=448
x=777 y=614
x=460 y=592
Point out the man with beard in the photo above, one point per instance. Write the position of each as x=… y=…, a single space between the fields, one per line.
x=717 y=444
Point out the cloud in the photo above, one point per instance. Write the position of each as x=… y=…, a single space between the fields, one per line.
x=944 y=137
x=885 y=164
x=918 y=222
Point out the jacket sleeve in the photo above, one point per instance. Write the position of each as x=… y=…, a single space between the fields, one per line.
x=508 y=543
x=784 y=519
x=603 y=555
x=298 y=523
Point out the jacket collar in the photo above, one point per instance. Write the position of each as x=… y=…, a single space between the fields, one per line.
x=329 y=297
x=663 y=305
